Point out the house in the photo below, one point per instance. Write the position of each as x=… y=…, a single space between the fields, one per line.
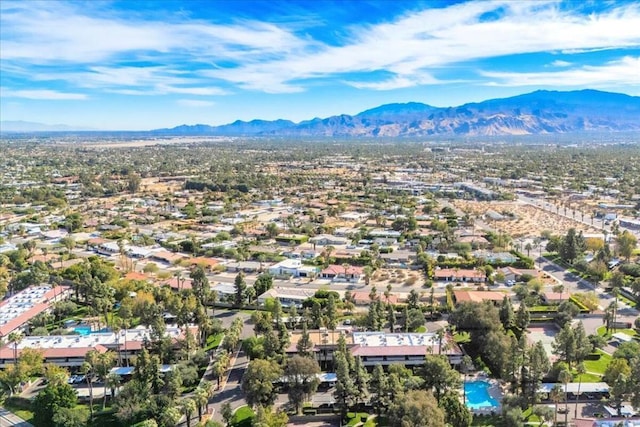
x=460 y=275
x=555 y=297
x=478 y=296
x=206 y=263
x=363 y=298
x=399 y=258
x=338 y=273
x=512 y=274
x=292 y=268
x=287 y=296
x=167 y=257
x=244 y=266
x=328 y=239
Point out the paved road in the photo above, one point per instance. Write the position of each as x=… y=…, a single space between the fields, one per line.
x=575 y=283
x=230 y=391
x=8 y=419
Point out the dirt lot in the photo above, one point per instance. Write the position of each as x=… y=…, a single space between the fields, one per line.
x=527 y=220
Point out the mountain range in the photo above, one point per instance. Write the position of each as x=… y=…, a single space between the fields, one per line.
x=540 y=112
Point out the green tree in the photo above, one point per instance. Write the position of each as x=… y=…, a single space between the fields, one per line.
x=266 y=417
x=70 y=417
x=378 y=386
x=507 y=316
x=200 y=284
x=455 y=412
x=626 y=244
x=564 y=344
x=332 y=313
x=304 y=344
x=240 y=287
x=263 y=283
x=345 y=388
x=360 y=381
x=417 y=408
x=50 y=400
x=572 y=246
x=522 y=317
x=301 y=376
x=439 y=376
x=258 y=382
x=227 y=413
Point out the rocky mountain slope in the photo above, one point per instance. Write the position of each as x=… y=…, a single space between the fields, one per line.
x=539 y=112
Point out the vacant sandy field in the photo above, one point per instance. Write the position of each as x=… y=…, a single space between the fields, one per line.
x=528 y=221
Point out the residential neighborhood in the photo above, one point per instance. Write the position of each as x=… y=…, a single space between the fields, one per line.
x=317 y=293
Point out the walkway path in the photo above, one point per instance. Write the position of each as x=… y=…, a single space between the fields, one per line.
x=8 y=419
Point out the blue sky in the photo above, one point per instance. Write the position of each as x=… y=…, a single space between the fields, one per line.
x=129 y=65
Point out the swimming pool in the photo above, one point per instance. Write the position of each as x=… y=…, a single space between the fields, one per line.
x=83 y=330
x=478 y=395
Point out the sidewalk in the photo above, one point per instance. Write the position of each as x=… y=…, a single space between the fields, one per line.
x=8 y=419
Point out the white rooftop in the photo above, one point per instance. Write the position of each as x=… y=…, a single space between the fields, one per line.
x=22 y=302
x=382 y=339
x=573 y=387
x=91 y=340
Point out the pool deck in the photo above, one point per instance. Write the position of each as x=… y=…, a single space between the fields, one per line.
x=494 y=390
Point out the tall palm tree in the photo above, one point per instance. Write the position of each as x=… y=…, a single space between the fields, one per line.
x=113 y=381
x=87 y=370
x=556 y=396
x=565 y=377
x=201 y=398
x=15 y=338
x=188 y=408
x=580 y=370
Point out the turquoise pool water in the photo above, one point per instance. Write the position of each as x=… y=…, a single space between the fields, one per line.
x=83 y=330
x=478 y=396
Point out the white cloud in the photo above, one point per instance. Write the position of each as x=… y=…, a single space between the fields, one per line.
x=280 y=59
x=42 y=94
x=195 y=103
x=560 y=63
x=615 y=73
x=436 y=38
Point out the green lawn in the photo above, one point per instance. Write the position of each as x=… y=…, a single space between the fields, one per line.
x=486 y=420
x=242 y=417
x=597 y=362
x=355 y=418
x=602 y=331
x=25 y=414
x=213 y=341
x=587 y=378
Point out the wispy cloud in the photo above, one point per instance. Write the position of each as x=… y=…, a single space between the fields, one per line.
x=615 y=73
x=42 y=94
x=195 y=103
x=181 y=55
x=560 y=63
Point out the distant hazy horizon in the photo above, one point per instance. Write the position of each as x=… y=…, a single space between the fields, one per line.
x=146 y=65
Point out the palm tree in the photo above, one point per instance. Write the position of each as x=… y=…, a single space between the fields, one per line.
x=565 y=377
x=556 y=396
x=580 y=370
x=201 y=398
x=105 y=363
x=87 y=370
x=112 y=382
x=15 y=337
x=188 y=407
